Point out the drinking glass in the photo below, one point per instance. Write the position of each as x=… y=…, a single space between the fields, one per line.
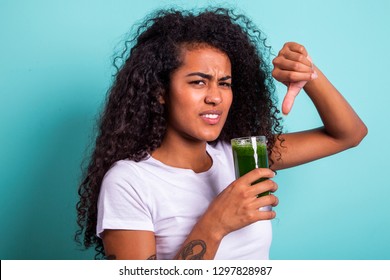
x=250 y=153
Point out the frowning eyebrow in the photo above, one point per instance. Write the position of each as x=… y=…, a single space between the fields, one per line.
x=207 y=76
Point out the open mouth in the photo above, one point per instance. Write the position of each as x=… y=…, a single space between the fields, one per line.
x=211 y=117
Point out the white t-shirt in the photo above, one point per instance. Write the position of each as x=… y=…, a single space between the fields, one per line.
x=152 y=196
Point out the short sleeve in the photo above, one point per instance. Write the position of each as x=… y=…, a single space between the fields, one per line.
x=122 y=202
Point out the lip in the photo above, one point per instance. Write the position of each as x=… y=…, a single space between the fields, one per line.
x=211 y=116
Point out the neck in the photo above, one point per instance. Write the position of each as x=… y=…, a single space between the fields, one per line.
x=183 y=153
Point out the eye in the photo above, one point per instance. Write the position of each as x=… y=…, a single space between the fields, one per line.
x=225 y=84
x=198 y=82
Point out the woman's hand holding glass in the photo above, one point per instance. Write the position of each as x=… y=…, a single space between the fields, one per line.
x=238 y=205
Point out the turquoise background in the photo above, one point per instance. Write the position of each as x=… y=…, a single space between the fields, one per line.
x=55 y=69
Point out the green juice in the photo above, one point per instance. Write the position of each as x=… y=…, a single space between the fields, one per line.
x=245 y=159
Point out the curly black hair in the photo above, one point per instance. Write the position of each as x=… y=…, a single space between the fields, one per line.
x=133 y=122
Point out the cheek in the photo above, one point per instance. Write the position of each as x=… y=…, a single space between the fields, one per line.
x=228 y=101
x=181 y=106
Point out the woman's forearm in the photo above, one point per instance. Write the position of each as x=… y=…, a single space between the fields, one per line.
x=339 y=119
x=342 y=129
x=201 y=244
x=237 y=206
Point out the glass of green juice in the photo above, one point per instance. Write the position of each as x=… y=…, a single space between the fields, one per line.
x=250 y=153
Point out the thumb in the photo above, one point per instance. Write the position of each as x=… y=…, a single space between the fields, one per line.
x=292 y=92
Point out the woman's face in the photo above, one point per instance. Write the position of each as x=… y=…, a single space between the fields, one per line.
x=200 y=95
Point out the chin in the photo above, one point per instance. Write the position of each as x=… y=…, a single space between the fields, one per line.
x=212 y=134
x=207 y=134
x=211 y=137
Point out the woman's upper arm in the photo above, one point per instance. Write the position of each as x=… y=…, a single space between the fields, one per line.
x=302 y=147
x=129 y=244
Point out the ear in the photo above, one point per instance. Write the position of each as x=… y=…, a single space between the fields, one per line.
x=161 y=100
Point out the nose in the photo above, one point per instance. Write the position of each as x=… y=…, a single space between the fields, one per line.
x=214 y=96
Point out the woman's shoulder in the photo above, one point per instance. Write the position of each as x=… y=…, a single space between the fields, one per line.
x=220 y=146
x=123 y=172
x=221 y=151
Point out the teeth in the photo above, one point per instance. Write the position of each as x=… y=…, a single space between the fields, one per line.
x=211 y=116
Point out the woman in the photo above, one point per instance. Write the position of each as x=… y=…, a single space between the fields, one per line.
x=160 y=184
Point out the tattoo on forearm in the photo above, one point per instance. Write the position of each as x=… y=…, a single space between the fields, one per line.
x=152 y=257
x=195 y=250
x=111 y=257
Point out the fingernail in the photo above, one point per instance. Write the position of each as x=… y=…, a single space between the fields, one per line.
x=314 y=75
